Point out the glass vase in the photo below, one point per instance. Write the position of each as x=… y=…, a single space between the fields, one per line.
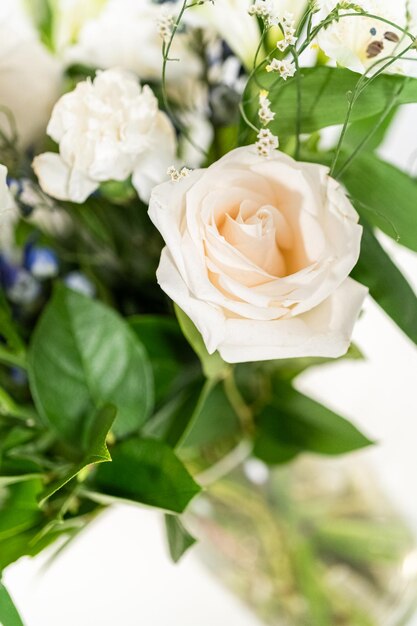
x=313 y=543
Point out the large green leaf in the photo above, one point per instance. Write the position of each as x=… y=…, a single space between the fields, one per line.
x=8 y=612
x=387 y=285
x=82 y=357
x=293 y=423
x=179 y=539
x=325 y=97
x=96 y=451
x=385 y=196
x=147 y=471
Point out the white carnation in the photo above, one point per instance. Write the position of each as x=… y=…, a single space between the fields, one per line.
x=107 y=129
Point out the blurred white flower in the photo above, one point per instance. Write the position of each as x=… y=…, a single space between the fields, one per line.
x=69 y=17
x=9 y=214
x=359 y=42
x=125 y=34
x=107 y=129
x=230 y=19
x=30 y=77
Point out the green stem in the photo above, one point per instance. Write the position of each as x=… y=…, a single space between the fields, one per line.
x=299 y=104
x=13 y=360
x=369 y=136
x=239 y=405
x=361 y=85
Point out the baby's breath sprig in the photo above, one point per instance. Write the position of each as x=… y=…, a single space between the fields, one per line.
x=168 y=30
x=265 y=10
x=267 y=142
x=265 y=114
x=177 y=175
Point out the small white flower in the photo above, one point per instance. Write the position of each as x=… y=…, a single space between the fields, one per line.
x=286 y=69
x=265 y=114
x=267 y=142
x=107 y=129
x=177 y=175
x=165 y=24
x=288 y=26
x=264 y=9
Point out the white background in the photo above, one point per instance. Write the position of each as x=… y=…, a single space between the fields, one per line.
x=117 y=572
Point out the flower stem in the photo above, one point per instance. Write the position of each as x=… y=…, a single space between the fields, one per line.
x=239 y=405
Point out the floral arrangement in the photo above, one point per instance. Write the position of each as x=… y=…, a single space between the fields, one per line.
x=180 y=237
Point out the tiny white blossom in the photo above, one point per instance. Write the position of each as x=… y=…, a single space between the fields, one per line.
x=264 y=9
x=165 y=25
x=265 y=113
x=267 y=142
x=177 y=175
x=289 y=30
x=286 y=69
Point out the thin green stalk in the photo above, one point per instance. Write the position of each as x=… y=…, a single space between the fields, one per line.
x=239 y=405
x=361 y=85
x=393 y=102
x=166 y=49
x=13 y=360
x=299 y=104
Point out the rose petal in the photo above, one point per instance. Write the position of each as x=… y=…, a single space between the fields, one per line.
x=322 y=332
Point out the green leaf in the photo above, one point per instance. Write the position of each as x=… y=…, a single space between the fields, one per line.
x=96 y=451
x=293 y=423
x=212 y=364
x=179 y=539
x=8 y=612
x=362 y=128
x=214 y=419
x=170 y=354
x=325 y=93
x=147 y=471
x=172 y=421
x=19 y=509
x=8 y=407
x=387 y=285
x=385 y=196
x=82 y=357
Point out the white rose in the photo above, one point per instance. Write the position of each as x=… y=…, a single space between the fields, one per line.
x=125 y=34
x=107 y=129
x=30 y=78
x=258 y=254
x=358 y=42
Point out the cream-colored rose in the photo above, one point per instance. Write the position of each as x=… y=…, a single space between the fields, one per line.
x=258 y=255
x=107 y=129
x=359 y=42
x=30 y=77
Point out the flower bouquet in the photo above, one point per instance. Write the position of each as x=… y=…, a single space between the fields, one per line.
x=191 y=203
